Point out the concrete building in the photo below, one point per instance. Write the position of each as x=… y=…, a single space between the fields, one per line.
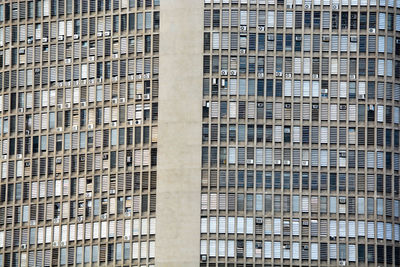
x=205 y=133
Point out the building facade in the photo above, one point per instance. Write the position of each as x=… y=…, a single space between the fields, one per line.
x=199 y=133
x=300 y=153
x=79 y=88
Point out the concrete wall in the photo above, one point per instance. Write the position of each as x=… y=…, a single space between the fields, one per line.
x=179 y=143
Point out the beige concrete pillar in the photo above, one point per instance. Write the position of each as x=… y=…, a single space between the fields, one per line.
x=179 y=140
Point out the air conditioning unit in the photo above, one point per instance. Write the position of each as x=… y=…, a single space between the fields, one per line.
x=315 y=76
x=259 y=221
x=260 y=75
x=325 y=38
x=286 y=246
x=23 y=246
x=32 y=222
x=324 y=91
x=352 y=76
x=88 y=194
x=67 y=60
x=278 y=74
x=99 y=34
x=114 y=101
x=138 y=122
x=298 y=38
x=307 y=6
x=107 y=33
x=67 y=105
x=63 y=243
x=75 y=128
x=288 y=75
x=105 y=156
x=44 y=40
x=130 y=122
x=122 y=100
x=243 y=28
x=342 y=200
x=371 y=30
x=288 y=105
x=131 y=77
x=76 y=36
x=60 y=84
x=361 y=96
x=242 y=51
x=335 y=7
x=60 y=37
x=4 y=157
x=115 y=55
x=112 y=192
x=83 y=104
x=27 y=132
x=146 y=76
x=138 y=76
x=22 y=51
x=304 y=163
x=250 y=161
x=270 y=37
x=19 y=156
x=224 y=72
x=305 y=247
x=353 y=39
x=91 y=58
x=261 y=28
x=342 y=263
x=91 y=81
x=138 y=97
x=55 y=244
x=27 y=164
x=286 y=162
x=59 y=129
x=80 y=218
x=103 y=216
x=76 y=83
x=21 y=110
x=289 y=6
x=127 y=214
x=277 y=162
x=233 y=72
x=60 y=106
x=146 y=96
x=126 y=237
x=90 y=127
x=99 y=80
x=203 y=258
x=115 y=79
x=56 y=220
x=58 y=160
x=113 y=123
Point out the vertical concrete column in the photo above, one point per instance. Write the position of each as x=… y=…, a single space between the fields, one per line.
x=179 y=140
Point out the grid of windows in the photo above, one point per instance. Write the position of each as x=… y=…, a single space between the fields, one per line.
x=300 y=155
x=78 y=132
